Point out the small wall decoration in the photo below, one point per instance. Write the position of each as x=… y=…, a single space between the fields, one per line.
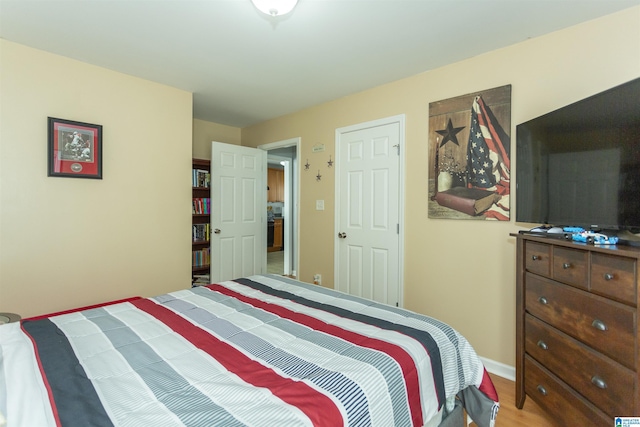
x=469 y=156
x=75 y=149
x=307 y=165
x=330 y=163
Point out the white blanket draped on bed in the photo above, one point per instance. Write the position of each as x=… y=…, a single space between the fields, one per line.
x=260 y=351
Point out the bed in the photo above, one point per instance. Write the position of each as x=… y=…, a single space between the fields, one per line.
x=257 y=351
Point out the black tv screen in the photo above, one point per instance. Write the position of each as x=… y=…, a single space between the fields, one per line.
x=580 y=165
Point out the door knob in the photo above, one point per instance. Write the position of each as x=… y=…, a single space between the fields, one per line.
x=216 y=231
x=342 y=235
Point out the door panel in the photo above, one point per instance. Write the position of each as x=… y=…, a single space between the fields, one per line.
x=354 y=282
x=354 y=200
x=227 y=194
x=380 y=274
x=249 y=260
x=249 y=194
x=225 y=259
x=380 y=200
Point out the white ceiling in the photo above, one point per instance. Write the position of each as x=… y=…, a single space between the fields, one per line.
x=244 y=67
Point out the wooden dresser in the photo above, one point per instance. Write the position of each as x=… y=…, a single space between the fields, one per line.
x=577 y=343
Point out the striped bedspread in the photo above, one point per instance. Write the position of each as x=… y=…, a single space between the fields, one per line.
x=259 y=351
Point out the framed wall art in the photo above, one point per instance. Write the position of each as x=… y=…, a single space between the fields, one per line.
x=75 y=149
x=469 y=156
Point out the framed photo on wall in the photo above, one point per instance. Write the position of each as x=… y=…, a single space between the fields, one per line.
x=75 y=149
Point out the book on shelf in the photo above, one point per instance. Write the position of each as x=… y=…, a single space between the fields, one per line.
x=201 y=178
x=201 y=257
x=200 y=232
x=200 y=279
x=472 y=201
x=201 y=205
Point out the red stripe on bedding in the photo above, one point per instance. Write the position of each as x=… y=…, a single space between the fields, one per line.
x=404 y=360
x=88 y=307
x=320 y=409
x=487 y=387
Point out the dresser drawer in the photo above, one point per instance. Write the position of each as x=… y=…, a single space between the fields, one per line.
x=604 y=325
x=570 y=266
x=603 y=382
x=538 y=258
x=564 y=404
x=614 y=277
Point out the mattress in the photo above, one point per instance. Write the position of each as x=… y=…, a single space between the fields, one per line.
x=256 y=351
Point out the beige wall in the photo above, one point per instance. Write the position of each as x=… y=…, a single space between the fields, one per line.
x=459 y=271
x=68 y=242
x=205 y=132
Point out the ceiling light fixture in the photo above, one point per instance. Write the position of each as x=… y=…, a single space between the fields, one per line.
x=275 y=7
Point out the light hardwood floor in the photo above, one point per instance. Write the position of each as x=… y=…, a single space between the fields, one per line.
x=509 y=416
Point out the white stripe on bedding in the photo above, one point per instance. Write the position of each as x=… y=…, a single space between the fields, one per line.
x=22 y=380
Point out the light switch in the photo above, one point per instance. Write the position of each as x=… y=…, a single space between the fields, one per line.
x=319 y=205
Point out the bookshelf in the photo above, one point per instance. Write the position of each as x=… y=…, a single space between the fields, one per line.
x=201 y=219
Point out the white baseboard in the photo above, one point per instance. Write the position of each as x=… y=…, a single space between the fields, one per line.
x=500 y=369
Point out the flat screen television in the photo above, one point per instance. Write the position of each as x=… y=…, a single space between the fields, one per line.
x=580 y=165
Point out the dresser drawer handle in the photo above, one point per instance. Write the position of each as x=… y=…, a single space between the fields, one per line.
x=566 y=265
x=536 y=257
x=598 y=382
x=608 y=276
x=543 y=300
x=599 y=325
x=542 y=390
x=543 y=345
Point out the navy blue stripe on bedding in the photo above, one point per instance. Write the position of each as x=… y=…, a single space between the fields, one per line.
x=423 y=337
x=74 y=399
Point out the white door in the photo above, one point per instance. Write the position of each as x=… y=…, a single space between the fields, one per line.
x=369 y=199
x=238 y=201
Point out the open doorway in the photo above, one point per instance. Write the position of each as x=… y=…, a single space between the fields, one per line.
x=282 y=211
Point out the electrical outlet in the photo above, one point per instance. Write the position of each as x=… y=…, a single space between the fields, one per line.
x=317 y=279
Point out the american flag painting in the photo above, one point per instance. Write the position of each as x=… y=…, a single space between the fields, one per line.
x=469 y=163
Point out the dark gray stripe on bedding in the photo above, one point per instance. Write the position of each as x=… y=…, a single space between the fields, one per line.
x=188 y=403
x=74 y=397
